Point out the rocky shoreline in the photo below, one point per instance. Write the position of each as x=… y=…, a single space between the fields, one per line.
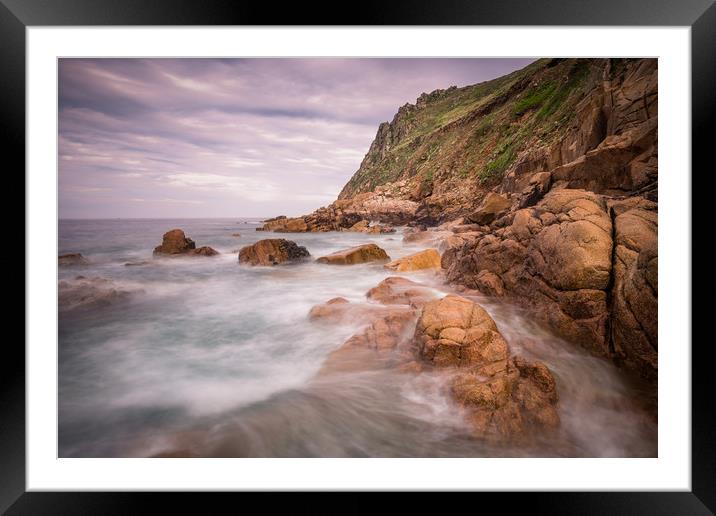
x=406 y=326
x=570 y=230
x=506 y=398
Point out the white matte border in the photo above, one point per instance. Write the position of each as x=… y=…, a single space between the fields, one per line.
x=671 y=471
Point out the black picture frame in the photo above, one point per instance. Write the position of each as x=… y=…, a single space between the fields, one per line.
x=16 y=15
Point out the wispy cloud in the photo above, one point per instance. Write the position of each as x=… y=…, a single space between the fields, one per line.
x=230 y=137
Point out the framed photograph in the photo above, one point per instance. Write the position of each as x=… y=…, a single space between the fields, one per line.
x=412 y=250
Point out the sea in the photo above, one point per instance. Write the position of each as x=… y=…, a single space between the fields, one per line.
x=206 y=357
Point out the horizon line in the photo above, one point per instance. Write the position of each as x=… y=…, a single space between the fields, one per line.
x=164 y=218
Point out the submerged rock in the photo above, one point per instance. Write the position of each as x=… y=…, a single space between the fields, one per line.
x=427 y=259
x=374 y=347
x=508 y=400
x=386 y=340
x=136 y=264
x=358 y=254
x=72 y=259
x=332 y=309
x=91 y=293
x=401 y=291
x=341 y=310
x=272 y=251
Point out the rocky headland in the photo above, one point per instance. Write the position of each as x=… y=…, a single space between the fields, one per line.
x=539 y=187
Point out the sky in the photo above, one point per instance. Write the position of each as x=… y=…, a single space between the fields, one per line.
x=185 y=138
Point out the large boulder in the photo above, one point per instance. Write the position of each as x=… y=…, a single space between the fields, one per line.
x=272 y=251
x=493 y=205
x=506 y=398
x=554 y=258
x=427 y=259
x=65 y=260
x=454 y=331
x=635 y=291
x=358 y=254
x=174 y=242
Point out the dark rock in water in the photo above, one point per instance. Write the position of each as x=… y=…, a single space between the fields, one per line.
x=272 y=251
x=91 y=293
x=72 y=259
x=237 y=235
x=174 y=242
x=136 y=264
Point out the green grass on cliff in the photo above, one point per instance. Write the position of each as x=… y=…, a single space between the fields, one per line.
x=559 y=97
x=497 y=167
x=534 y=98
x=478 y=132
